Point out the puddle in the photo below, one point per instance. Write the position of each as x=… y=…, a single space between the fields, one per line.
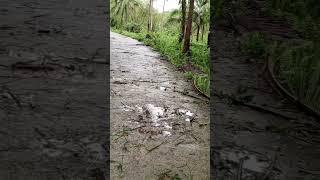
x=250 y=162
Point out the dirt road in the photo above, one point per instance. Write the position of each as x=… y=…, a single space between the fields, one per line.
x=159 y=124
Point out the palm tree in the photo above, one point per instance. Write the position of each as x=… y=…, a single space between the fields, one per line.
x=123 y=9
x=201 y=16
x=150 y=15
x=187 y=35
x=164 y=3
x=183 y=19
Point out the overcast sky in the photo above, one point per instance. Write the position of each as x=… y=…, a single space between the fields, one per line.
x=169 y=5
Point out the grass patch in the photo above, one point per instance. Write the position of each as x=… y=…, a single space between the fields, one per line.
x=254 y=45
x=203 y=83
x=189 y=75
x=299 y=69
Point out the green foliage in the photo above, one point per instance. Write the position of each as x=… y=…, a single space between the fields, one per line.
x=200 y=56
x=254 y=45
x=217 y=9
x=303 y=14
x=299 y=69
x=189 y=75
x=203 y=83
x=133 y=27
x=130 y=19
x=298 y=62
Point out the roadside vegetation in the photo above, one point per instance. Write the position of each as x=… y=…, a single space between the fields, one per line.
x=180 y=35
x=297 y=61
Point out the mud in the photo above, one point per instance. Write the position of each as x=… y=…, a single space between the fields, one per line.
x=53 y=106
x=257 y=133
x=157 y=130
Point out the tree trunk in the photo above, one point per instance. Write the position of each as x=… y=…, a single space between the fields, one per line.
x=202 y=32
x=164 y=3
x=186 y=44
x=150 y=16
x=198 y=31
x=183 y=20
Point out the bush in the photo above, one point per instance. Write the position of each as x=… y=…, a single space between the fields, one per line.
x=299 y=68
x=254 y=45
x=133 y=27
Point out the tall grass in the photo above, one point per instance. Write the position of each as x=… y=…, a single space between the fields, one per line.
x=297 y=64
x=299 y=68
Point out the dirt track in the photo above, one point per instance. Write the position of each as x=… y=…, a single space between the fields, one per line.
x=53 y=111
x=159 y=124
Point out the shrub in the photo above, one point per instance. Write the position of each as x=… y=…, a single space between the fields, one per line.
x=254 y=45
x=133 y=27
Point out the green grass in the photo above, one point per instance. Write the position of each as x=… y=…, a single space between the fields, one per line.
x=299 y=69
x=254 y=45
x=203 y=83
x=297 y=64
x=168 y=46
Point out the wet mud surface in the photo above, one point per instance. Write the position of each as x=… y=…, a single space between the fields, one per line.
x=258 y=133
x=159 y=123
x=53 y=111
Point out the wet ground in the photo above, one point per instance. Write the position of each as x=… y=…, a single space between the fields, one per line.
x=257 y=133
x=159 y=124
x=53 y=107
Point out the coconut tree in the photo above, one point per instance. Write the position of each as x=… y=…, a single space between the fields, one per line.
x=164 y=3
x=150 y=15
x=201 y=16
x=187 y=34
x=124 y=9
x=183 y=19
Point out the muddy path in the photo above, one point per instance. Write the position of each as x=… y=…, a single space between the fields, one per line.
x=53 y=107
x=259 y=134
x=159 y=124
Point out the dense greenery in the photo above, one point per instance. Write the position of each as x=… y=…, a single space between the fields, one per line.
x=299 y=64
x=299 y=67
x=297 y=60
x=163 y=32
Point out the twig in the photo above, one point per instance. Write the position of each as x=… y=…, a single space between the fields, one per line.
x=157 y=146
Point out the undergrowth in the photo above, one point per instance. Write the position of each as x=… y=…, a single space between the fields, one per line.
x=296 y=61
x=299 y=68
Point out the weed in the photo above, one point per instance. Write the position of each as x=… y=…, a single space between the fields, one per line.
x=203 y=83
x=189 y=75
x=299 y=69
x=254 y=45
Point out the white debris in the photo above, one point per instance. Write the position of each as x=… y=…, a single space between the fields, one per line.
x=167 y=126
x=153 y=112
x=166 y=133
x=188 y=113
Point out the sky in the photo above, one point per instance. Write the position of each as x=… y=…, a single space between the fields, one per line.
x=169 y=5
